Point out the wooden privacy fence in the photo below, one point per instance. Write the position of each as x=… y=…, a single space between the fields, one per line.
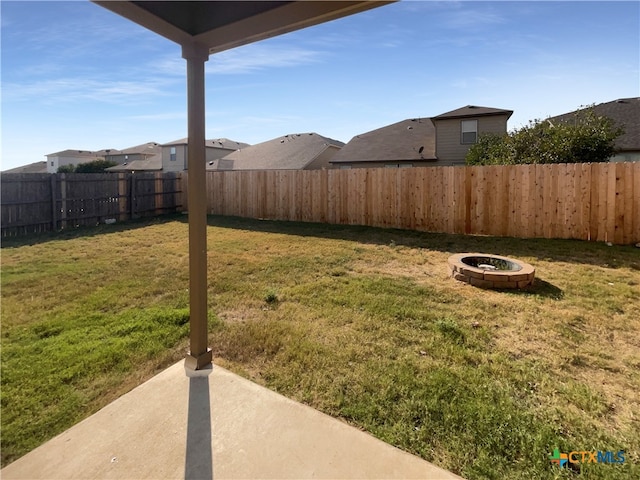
x=34 y=203
x=598 y=202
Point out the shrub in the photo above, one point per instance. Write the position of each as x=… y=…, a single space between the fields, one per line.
x=586 y=137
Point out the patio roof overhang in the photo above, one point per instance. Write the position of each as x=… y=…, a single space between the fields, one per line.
x=221 y=25
x=202 y=28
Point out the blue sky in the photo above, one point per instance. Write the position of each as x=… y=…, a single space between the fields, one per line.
x=75 y=75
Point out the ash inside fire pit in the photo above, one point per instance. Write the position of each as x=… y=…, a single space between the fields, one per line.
x=491 y=263
x=491 y=271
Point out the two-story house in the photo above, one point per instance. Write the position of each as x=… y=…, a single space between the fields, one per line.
x=441 y=140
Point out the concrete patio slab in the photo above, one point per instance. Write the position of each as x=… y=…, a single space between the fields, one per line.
x=214 y=424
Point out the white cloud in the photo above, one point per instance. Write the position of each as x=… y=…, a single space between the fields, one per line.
x=256 y=57
x=62 y=90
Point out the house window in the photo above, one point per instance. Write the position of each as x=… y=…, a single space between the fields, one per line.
x=469 y=131
x=52 y=164
x=172 y=154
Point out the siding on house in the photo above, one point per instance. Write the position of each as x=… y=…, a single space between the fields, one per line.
x=322 y=160
x=180 y=162
x=449 y=147
x=387 y=164
x=214 y=150
x=70 y=157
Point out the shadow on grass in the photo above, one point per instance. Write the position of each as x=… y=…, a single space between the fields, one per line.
x=91 y=231
x=540 y=288
x=556 y=250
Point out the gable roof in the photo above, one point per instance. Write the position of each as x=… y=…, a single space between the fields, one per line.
x=291 y=152
x=411 y=139
x=473 y=111
x=625 y=112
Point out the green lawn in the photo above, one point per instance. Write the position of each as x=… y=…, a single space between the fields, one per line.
x=361 y=323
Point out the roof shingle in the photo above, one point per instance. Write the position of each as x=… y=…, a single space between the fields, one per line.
x=291 y=152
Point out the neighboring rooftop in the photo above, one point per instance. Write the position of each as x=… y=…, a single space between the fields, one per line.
x=291 y=152
x=472 y=111
x=411 y=139
x=625 y=112
x=214 y=143
x=74 y=153
x=152 y=163
x=36 y=167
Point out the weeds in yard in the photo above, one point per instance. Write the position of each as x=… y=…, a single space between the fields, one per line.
x=363 y=324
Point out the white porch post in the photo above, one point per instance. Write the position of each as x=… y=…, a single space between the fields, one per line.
x=200 y=355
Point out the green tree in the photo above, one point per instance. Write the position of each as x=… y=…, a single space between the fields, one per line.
x=67 y=168
x=490 y=149
x=586 y=137
x=97 y=166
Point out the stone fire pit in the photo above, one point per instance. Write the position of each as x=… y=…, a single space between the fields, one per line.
x=490 y=271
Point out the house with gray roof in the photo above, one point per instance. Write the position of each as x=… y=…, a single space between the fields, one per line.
x=625 y=112
x=70 y=157
x=146 y=157
x=441 y=140
x=299 y=151
x=458 y=129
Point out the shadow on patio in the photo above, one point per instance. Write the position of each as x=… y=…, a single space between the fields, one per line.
x=214 y=424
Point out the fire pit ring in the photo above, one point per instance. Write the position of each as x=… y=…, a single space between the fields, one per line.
x=490 y=271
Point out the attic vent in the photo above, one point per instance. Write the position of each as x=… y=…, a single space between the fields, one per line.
x=472 y=106
x=281 y=141
x=421 y=149
x=621 y=101
x=211 y=162
x=409 y=127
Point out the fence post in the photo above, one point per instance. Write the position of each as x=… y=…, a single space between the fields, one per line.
x=53 y=202
x=63 y=200
x=184 y=187
x=132 y=196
